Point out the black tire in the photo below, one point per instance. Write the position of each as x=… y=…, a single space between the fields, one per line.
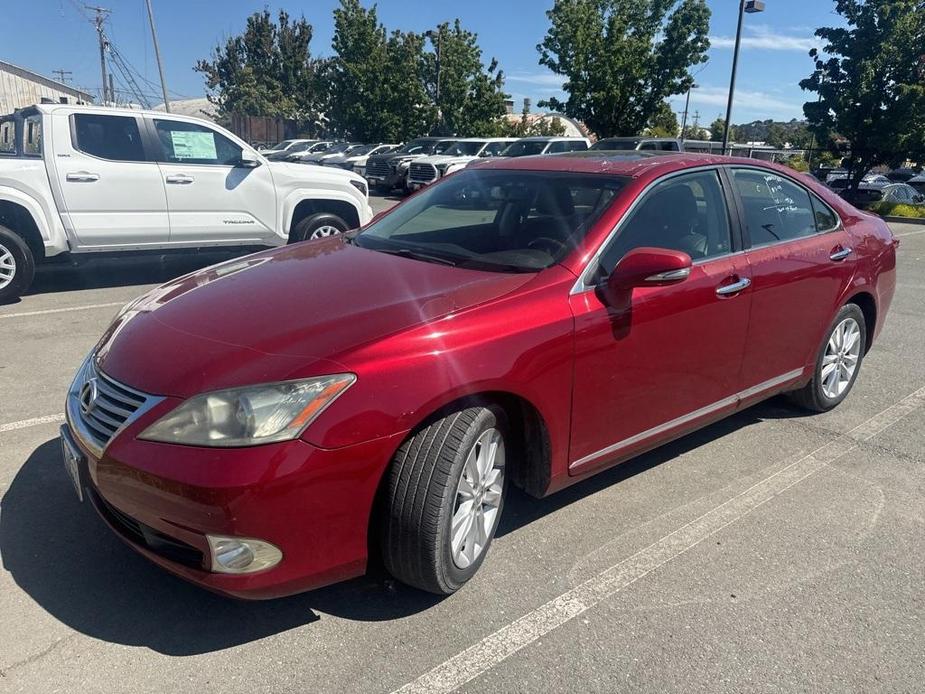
x=12 y=245
x=811 y=396
x=313 y=226
x=420 y=500
x=382 y=190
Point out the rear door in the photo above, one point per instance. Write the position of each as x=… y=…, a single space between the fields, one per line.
x=800 y=259
x=211 y=198
x=112 y=191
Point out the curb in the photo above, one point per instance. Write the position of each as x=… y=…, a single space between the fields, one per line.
x=904 y=220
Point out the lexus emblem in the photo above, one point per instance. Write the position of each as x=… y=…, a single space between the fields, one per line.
x=88 y=395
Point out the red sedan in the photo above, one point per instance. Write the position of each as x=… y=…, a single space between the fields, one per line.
x=258 y=426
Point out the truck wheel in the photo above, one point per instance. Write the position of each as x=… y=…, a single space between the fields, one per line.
x=17 y=265
x=317 y=226
x=445 y=493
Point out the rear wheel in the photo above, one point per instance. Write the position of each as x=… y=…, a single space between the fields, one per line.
x=838 y=362
x=17 y=265
x=317 y=226
x=444 y=498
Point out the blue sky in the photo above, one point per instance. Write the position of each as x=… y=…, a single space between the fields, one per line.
x=52 y=34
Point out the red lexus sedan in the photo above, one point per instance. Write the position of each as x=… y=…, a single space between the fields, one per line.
x=260 y=426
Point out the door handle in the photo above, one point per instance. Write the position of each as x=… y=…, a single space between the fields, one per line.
x=840 y=253
x=82 y=177
x=734 y=288
x=179 y=178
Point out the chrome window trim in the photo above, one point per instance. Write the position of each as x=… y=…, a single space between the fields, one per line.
x=689 y=417
x=581 y=284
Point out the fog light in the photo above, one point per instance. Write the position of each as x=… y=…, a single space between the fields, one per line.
x=242 y=555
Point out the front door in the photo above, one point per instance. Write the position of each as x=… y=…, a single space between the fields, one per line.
x=210 y=197
x=801 y=260
x=671 y=358
x=112 y=191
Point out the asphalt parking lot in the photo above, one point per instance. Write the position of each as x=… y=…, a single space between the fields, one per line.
x=773 y=551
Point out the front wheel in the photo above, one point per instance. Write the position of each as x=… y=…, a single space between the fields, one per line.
x=17 y=265
x=837 y=363
x=317 y=226
x=445 y=493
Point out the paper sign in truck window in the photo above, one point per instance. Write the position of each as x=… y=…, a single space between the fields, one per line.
x=193 y=145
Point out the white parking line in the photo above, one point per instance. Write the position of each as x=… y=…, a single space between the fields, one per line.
x=508 y=640
x=62 y=310
x=35 y=421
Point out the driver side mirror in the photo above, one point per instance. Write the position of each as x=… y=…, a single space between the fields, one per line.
x=248 y=160
x=646 y=267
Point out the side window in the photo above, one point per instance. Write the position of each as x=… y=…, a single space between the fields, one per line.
x=826 y=219
x=775 y=209
x=494 y=149
x=577 y=146
x=557 y=147
x=32 y=136
x=685 y=213
x=7 y=137
x=669 y=146
x=645 y=146
x=189 y=143
x=108 y=137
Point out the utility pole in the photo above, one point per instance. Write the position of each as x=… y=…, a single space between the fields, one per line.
x=687 y=103
x=101 y=14
x=63 y=75
x=157 y=55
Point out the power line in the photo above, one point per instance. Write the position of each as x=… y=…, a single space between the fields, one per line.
x=63 y=75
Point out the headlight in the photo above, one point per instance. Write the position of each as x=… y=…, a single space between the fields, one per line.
x=360 y=186
x=249 y=416
x=403 y=165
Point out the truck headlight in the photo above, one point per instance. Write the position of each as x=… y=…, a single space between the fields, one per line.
x=249 y=416
x=360 y=186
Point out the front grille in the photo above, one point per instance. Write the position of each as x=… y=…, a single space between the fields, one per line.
x=104 y=405
x=138 y=533
x=378 y=168
x=422 y=173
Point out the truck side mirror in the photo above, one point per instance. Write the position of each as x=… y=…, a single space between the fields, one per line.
x=248 y=160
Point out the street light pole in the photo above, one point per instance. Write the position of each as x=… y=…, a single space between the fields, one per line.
x=157 y=55
x=687 y=103
x=751 y=7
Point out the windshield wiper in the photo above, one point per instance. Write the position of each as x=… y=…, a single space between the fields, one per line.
x=417 y=255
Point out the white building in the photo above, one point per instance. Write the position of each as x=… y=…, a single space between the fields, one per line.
x=20 y=88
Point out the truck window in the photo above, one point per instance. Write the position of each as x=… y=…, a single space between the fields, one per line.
x=32 y=136
x=8 y=137
x=189 y=143
x=108 y=137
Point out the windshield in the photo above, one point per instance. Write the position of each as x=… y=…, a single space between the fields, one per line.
x=615 y=144
x=415 y=147
x=496 y=220
x=339 y=147
x=525 y=148
x=443 y=146
x=319 y=147
x=279 y=146
x=365 y=149
x=465 y=149
x=300 y=147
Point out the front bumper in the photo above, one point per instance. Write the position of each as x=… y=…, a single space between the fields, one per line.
x=313 y=504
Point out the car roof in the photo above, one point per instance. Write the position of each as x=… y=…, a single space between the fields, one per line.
x=632 y=164
x=548 y=138
x=487 y=139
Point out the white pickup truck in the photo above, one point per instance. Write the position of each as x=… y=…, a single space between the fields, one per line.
x=83 y=179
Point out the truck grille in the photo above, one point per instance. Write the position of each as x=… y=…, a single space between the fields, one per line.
x=380 y=169
x=422 y=173
x=103 y=406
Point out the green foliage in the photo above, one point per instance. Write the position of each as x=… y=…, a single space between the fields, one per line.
x=267 y=71
x=469 y=97
x=797 y=163
x=870 y=79
x=663 y=123
x=897 y=209
x=717 y=127
x=623 y=58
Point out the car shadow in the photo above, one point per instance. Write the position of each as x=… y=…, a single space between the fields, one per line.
x=97 y=273
x=66 y=559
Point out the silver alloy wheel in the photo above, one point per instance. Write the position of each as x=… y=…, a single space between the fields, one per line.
x=478 y=498
x=324 y=231
x=7 y=266
x=840 y=360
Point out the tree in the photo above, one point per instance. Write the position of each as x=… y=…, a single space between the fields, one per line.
x=870 y=81
x=623 y=58
x=663 y=123
x=267 y=71
x=469 y=98
x=408 y=110
x=526 y=126
x=716 y=130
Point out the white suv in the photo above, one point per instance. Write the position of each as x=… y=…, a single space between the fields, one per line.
x=428 y=169
x=84 y=179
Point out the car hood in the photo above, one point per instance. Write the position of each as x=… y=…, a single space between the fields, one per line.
x=444 y=159
x=293 y=172
x=287 y=313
